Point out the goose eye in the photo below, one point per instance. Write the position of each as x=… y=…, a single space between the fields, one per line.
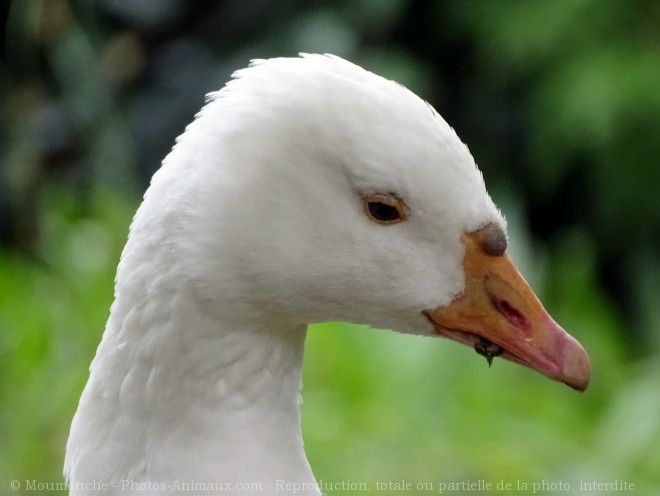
x=385 y=209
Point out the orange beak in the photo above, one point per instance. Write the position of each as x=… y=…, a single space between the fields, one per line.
x=499 y=315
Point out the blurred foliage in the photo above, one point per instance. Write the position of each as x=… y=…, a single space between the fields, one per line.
x=559 y=102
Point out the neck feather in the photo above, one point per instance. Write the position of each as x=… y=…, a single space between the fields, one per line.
x=177 y=393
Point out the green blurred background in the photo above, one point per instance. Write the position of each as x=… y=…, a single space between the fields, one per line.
x=559 y=102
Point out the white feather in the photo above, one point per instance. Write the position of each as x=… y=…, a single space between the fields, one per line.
x=253 y=228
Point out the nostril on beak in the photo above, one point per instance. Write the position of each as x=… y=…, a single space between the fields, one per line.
x=511 y=314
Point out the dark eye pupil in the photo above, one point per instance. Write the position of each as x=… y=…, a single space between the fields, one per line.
x=383 y=211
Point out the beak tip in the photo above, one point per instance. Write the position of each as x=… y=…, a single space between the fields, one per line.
x=576 y=367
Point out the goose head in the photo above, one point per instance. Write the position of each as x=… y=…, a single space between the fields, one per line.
x=306 y=190
x=337 y=195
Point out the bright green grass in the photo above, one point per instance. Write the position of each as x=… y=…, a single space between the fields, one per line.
x=379 y=406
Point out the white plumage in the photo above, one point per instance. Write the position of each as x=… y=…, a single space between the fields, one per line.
x=253 y=228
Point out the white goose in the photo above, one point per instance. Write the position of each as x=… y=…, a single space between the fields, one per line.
x=306 y=190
